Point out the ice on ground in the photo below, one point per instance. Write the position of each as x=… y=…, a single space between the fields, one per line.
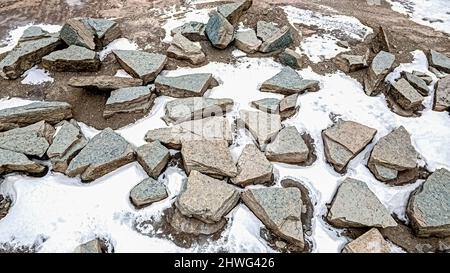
x=319 y=48
x=36 y=76
x=118 y=44
x=15 y=34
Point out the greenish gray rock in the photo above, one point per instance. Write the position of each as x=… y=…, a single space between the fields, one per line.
x=193 y=226
x=405 y=95
x=26 y=55
x=140 y=64
x=268 y=105
x=219 y=31
x=5 y=204
x=437 y=73
x=75 y=32
x=206 y=199
x=194 y=31
x=104 y=153
x=233 y=11
x=51 y=112
x=103 y=82
x=291 y=58
x=262 y=126
x=211 y=128
x=181 y=110
x=355 y=205
x=351 y=63
x=288 y=82
x=191 y=85
x=265 y=30
x=33 y=33
x=211 y=157
x=381 y=41
x=130 y=100
x=183 y=49
x=72 y=59
x=344 y=141
x=439 y=61
x=247 y=41
x=280 y=210
x=253 y=168
x=94 y=246
x=370 y=242
x=381 y=65
x=105 y=31
x=442 y=95
x=153 y=157
x=280 y=40
x=416 y=82
x=147 y=192
x=425 y=77
x=288 y=106
x=16 y=162
x=429 y=206
x=288 y=147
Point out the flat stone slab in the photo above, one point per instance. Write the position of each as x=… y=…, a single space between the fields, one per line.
x=265 y=30
x=194 y=31
x=105 y=31
x=147 y=192
x=253 y=168
x=211 y=157
x=103 y=83
x=51 y=112
x=370 y=242
x=104 y=153
x=219 y=31
x=288 y=147
x=183 y=49
x=141 y=64
x=72 y=59
x=33 y=33
x=191 y=85
x=289 y=82
x=193 y=226
x=288 y=106
x=355 y=205
x=439 y=61
x=153 y=157
x=291 y=58
x=94 y=246
x=11 y=161
x=26 y=55
x=247 y=41
x=442 y=95
x=279 y=40
x=344 y=141
x=129 y=100
x=233 y=11
x=280 y=211
x=425 y=77
x=429 y=206
x=351 y=63
x=262 y=126
x=380 y=67
x=206 y=199
x=406 y=96
x=211 y=128
x=418 y=83
x=268 y=105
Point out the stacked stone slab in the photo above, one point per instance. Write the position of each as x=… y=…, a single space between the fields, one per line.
x=286 y=107
x=185 y=86
x=140 y=64
x=289 y=82
x=72 y=59
x=103 y=82
x=183 y=49
x=130 y=100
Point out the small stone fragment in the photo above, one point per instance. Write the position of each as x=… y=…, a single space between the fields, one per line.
x=351 y=63
x=288 y=147
x=288 y=106
x=219 y=31
x=280 y=39
x=191 y=85
x=425 y=77
x=141 y=64
x=105 y=31
x=253 y=168
x=153 y=157
x=370 y=242
x=130 y=100
x=247 y=41
x=291 y=58
x=147 y=192
x=405 y=95
x=5 y=204
x=183 y=49
x=33 y=33
x=103 y=83
x=268 y=105
x=288 y=82
x=233 y=11
x=194 y=31
x=419 y=84
x=72 y=59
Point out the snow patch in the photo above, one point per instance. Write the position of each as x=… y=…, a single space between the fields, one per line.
x=319 y=48
x=118 y=44
x=36 y=76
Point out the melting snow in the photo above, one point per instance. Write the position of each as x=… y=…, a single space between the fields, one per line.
x=35 y=76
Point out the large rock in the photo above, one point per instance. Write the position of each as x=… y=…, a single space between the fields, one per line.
x=247 y=41
x=104 y=153
x=140 y=64
x=147 y=192
x=91 y=247
x=429 y=206
x=206 y=199
x=67 y=142
x=253 y=168
x=370 y=242
x=418 y=83
x=191 y=85
x=210 y=157
x=16 y=162
x=72 y=59
x=219 y=31
x=288 y=82
x=5 y=204
x=153 y=157
x=180 y=110
x=32 y=140
x=279 y=40
x=442 y=95
x=351 y=63
x=26 y=55
x=103 y=83
x=194 y=31
x=233 y=11
x=439 y=61
x=280 y=211
x=393 y=159
x=405 y=95
x=183 y=49
x=355 y=205
x=345 y=140
x=194 y=226
x=262 y=126
x=288 y=147
x=211 y=128
x=381 y=65
x=52 y=112
x=129 y=100
x=291 y=58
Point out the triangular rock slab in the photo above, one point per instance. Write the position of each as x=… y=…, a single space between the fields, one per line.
x=191 y=85
x=141 y=64
x=253 y=168
x=370 y=242
x=289 y=82
x=280 y=40
x=288 y=147
x=33 y=33
x=439 y=61
x=268 y=105
x=380 y=67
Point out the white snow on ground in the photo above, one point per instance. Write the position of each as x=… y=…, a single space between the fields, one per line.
x=118 y=44
x=15 y=34
x=432 y=13
x=35 y=76
x=73 y=3
x=13 y=102
x=123 y=74
x=320 y=47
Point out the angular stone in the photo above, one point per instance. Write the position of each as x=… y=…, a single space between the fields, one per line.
x=405 y=95
x=52 y=112
x=288 y=106
x=262 y=126
x=16 y=162
x=181 y=110
x=291 y=58
x=247 y=41
x=280 y=40
x=140 y=64
x=288 y=147
x=183 y=49
x=206 y=199
x=268 y=105
x=419 y=84
x=94 y=246
x=210 y=157
x=75 y=32
x=104 y=153
x=253 y=168
x=288 y=82
x=280 y=211
x=194 y=31
x=437 y=73
x=233 y=11
x=265 y=30
x=370 y=242
x=211 y=128
x=191 y=85
x=26 y=55
x=72 y=59
x=105 y=31
x=439 y=61
x=425 y=77
x=381 y=41
x=193 y=226
x=103 y=82
x=344 y=141
x=33 y=33
x=442 y=95
x=147 y=192
x=153 y=157
x=429 y=206
x=219 y=31
x=355 y=205
x=351 y=63
x=381 y=65
x=5 y=204
x=129 y=100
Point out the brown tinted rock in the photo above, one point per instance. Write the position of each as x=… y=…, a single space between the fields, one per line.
x=370 y=242
x=103 y=83
x=253 y=167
